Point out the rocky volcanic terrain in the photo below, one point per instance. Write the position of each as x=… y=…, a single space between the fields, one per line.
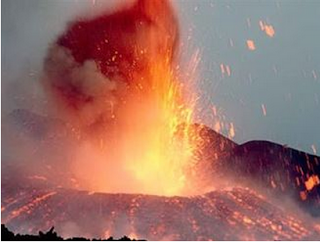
x=239 y=210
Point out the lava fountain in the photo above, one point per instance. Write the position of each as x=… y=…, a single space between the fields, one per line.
x=114 y=80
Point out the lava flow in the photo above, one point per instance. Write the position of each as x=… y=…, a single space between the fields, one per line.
x=113 y=79
x=236 y=214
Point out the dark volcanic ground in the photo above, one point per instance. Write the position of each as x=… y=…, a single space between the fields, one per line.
x=31 y=202
x=235 y=214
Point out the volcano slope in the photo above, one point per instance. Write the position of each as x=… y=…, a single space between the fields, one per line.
x=274 y=169
x=32 y=200
x=233 y=214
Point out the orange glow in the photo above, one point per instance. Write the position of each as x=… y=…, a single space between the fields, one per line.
x=303 y=195
x=154 y=147
x=158 y=158
x=268 y=29
x=251 y=45
x=217 y=127
x=133 y=235
x=312 y=182
x=231 y=131
x=107 y=234
x=131 y=116
x=28 y=207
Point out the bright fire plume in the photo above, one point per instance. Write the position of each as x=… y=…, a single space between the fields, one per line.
x=158 y=157
x=114 y=80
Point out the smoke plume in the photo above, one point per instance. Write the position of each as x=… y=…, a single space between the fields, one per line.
x=96 y=62
x=112 y=80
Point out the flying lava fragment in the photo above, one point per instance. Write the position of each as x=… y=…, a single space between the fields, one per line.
x=267 y=28
x=251 y=45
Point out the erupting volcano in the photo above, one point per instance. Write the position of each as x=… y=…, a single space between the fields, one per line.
x=114 y=80
x=121 y=154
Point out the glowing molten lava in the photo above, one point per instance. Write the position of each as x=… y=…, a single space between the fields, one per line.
x=114 y=80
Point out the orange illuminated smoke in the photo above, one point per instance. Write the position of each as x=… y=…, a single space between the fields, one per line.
x=113 y=79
